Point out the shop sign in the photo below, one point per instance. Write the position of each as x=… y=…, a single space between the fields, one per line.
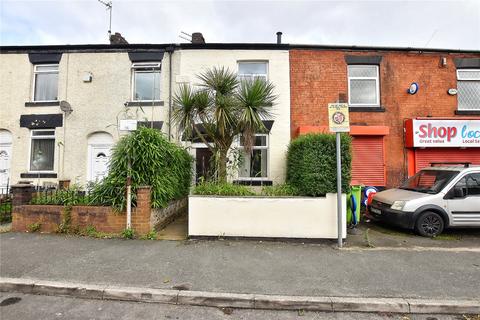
x=338 y=118
x=446 y=133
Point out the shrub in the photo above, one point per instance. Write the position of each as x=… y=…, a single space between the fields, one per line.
x=155 y=162
x=128 y=233
x=34 y=227
x=222 y=189
x=280 y=190
x=67 y=197
x=312 y=167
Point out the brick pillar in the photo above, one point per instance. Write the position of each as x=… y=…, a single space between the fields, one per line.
x=22 y=193
x=141 y=215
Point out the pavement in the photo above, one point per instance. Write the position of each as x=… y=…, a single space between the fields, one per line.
x=253 y=267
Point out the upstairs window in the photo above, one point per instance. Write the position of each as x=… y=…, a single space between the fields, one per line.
x=146 y=81
x=468 y=87
x=252 y=70
x=254 y=165
x=42 y=150
x=363 y=85
x=45 y=82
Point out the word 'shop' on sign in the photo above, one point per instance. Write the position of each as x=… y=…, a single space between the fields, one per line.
x=338 y=118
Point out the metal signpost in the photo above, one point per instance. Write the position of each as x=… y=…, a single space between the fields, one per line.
x=338 y=120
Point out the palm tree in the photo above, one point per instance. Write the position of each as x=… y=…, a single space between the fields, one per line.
x=225 y=107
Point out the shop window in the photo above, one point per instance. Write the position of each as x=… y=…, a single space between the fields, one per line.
x=468 y=87
x=254 y=164
x=146 y=81
x=45 y=82
x=363 y=85
x=250 y=70
x=42 y=150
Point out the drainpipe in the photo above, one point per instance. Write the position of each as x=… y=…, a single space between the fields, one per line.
x=170 y=51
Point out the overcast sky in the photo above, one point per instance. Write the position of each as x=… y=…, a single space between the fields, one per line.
x=435 y=24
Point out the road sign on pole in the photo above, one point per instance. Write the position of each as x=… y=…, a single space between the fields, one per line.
x=339 y=121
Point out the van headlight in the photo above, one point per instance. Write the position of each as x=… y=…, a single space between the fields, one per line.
x=398 y=205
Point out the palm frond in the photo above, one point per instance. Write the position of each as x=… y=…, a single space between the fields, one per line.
x=220 y=80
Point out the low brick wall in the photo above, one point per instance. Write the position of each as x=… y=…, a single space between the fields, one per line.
x=160 y=218
x=104 y=219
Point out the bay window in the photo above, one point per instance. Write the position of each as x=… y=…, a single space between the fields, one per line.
x=42 y=150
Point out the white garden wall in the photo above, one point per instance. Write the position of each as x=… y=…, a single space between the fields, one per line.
x=293 y=217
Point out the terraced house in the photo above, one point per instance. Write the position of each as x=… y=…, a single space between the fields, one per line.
x=62 y=106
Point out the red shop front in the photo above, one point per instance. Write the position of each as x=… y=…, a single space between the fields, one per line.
x=430 y=140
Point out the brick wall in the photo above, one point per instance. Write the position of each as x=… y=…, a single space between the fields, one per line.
x=318 y=77
x=104 y=219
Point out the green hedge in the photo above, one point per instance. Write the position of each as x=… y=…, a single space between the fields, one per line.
x=311 y=164
x=155 y=162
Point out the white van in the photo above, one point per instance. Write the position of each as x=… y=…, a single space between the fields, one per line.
x=433 y=199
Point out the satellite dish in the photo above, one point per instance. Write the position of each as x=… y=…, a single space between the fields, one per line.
x=65 y=106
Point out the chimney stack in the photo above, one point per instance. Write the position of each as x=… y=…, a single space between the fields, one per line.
x=279 y=37
x=197 y=38
x=117 y=39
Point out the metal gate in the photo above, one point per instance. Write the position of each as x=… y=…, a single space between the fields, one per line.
x=5 y=205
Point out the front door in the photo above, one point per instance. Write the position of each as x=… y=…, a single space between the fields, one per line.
x=203 y=158
x=5 y=157
x=99 y=158
x=465 y=208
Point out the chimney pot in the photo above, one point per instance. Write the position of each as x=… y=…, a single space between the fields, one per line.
x=197 y=38
x=279 y=37
x=117 y=39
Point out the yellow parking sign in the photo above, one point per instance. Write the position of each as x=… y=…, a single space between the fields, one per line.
x=338 y=118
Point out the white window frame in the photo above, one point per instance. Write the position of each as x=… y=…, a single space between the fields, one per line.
x=459 y=78
x=147 y=67
x=240 y=75
x=377 y=86
x=32 y=137
x=266 y=147
x=36 y=72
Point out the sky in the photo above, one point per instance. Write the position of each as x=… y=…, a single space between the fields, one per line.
x=424 y=24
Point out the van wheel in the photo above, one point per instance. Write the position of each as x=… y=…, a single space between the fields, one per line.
x=429 y=224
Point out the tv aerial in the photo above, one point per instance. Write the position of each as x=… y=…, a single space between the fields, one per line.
x=109 y=7
x=184 y=36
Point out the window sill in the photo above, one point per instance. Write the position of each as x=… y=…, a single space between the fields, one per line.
x=144 y=103
x=467 y=112
x=253 y=182
x=42 y=103
x=38 y=175
x=366 y=109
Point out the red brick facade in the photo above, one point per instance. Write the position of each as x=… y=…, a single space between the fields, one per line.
x=319 y=77
x=104 y=219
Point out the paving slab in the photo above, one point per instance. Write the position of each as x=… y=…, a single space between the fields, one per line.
x=251 y=267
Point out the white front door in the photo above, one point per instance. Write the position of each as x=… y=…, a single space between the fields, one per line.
x=99 y=158
x=5 y=157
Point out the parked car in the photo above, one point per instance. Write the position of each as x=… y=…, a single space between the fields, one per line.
x=435 y=198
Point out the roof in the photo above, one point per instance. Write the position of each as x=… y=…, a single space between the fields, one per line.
x=221 y=46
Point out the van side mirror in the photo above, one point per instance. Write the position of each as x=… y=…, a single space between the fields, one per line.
x=458 y=192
